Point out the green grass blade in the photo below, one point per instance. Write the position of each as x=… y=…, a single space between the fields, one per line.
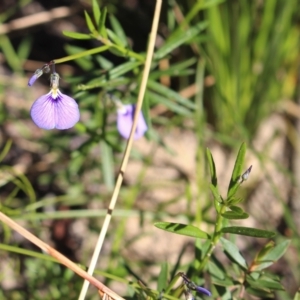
x=174 y=41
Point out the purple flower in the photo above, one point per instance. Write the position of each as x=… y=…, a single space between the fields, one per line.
x=55 y=110
x=125 y=121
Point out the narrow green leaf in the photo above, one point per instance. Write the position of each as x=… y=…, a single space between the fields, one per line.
x=212 y=167
x=262 y=294
x=108 y=84
x=210 y=3
x=146 y=113
x=264 y=283
x=107 y=165
x=201 y=249
x=226 y=282
x=89 y=23
x=176 y=69
x=232 y=215
x=29 y=253
x=236 y=209
x=25 y=47
x=233 y=252
x=182 y=229
x=9 y=53
x=171 y=73
x=172 y=95
x=275 y=253
x=260 y=265
x=5 y=149
x=104 y=62
x=259 y=233
x=216 y=271
x=265 y=250
x=123 y=69
x=215 y=193
x=174 y=41
x=237 y=171
x=255 y=275
x=76 y=35
x=233 y=190
x=233 y=201
x=102 y=28
x=96 y=12
x=114 y=38
x=118 y=30
x=156 y=98
x=162 y=281
x=84 y=62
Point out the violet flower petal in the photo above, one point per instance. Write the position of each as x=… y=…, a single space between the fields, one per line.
x=55 y=110
x=125 y=121
x=203 y=291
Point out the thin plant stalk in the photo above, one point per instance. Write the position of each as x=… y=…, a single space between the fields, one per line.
x=58 y=256
x=119 y=181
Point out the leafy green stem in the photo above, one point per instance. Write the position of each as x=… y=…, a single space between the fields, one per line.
x=124 y=51
x=81 y=54
x=215 y=238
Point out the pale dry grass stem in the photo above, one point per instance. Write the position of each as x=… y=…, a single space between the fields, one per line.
x=122 y=170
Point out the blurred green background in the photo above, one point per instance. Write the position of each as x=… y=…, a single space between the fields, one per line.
x=224 y=72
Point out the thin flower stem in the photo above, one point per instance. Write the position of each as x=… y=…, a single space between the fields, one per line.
x=81 y=54
x=58 y=256
x=119 y=181
x=107 y=44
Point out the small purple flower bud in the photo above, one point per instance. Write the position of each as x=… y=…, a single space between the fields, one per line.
x=245 y=176
x=38 y=73
x=125 y=121
x=203 y=291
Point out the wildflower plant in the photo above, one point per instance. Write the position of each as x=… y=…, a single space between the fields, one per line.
x=247 y=278
x=206 y=275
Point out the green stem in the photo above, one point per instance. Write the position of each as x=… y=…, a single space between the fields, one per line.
x=215 y=238
x=81 y=54
x=124 y=51
x=107 y=45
